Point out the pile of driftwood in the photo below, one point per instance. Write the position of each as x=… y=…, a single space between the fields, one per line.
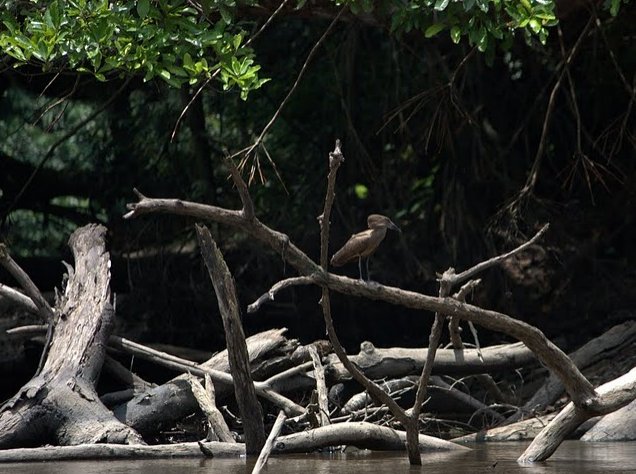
x=309 y=386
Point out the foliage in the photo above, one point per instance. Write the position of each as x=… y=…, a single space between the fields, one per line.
x=166 y=38
x=484 y=23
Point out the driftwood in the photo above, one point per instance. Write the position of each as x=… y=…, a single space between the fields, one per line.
x=378 y=363
x=359 y=434
x=172 y=401
x=269 y=443
x=617 y=426
x=244 y=390
x=606 y=346
x=578 y=387
x=611 y=397
x=60 y=404
x=217 y=427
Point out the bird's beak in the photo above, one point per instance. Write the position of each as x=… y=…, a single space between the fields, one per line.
x=392 y=226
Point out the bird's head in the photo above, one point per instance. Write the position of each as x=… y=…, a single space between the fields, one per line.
x=378 y=221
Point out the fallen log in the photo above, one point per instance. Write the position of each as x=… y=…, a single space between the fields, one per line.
x=610 y=397
x=607 y=346
x=359 y=434
x=617 y=426
x=395 y=362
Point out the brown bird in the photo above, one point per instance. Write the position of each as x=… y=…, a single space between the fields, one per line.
x=363 y=244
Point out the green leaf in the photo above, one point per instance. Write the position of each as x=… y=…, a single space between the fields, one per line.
x=433 y=30
x=441 y=5
x=361 y=191
x=143 y=7
x=455 y=34
x=535 y=26
x=614 y=6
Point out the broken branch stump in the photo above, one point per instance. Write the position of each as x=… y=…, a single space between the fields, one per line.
x=60 y=405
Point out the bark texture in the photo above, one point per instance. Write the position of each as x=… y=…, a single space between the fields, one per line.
x=60 y=404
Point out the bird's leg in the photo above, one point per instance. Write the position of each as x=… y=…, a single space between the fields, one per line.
x=360 y=267
x=367 y=266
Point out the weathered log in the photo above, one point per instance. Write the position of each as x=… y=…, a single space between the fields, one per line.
x=617 y=426
x=520 y=431
x=173 y=401
x=223 y=282
x=606 y=346
x=378 y=363
x=60 y=404
x=360 y=434
x=611 y=397
x=112 y=451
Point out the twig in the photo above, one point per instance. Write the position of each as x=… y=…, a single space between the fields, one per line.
x=534 y=171
x=269 y=443
x=266 y=24
x=311 y=54
x=480 y=267
x=31 y=290
x=281 y=285
x=18 y=297
x=61 y=140
x=189 y=104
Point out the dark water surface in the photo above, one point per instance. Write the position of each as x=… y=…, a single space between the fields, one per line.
x=571 y=457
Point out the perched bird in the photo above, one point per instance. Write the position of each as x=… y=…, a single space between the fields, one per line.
x=363 y=244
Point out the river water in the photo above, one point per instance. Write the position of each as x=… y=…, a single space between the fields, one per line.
x=571 y=457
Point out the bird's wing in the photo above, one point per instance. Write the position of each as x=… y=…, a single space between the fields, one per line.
x=351 y=250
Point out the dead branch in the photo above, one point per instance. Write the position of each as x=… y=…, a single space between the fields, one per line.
x=18 y=298
x=610 y=342
x=335 y=160
x=185 y=366
x=30 y=289
x=321 y=386
x=269 y=443
x=205 y=396
x=223 y=282
x=611 y=396
x=281 y=285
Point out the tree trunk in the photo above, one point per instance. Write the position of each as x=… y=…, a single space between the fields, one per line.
x=60 y=405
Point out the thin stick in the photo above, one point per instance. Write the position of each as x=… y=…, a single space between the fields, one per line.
x=269 y=296
x=480 y=267
x=269 y=443
x=311 y=54
x=321 y=386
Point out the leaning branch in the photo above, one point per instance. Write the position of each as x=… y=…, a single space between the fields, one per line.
x=578 y=387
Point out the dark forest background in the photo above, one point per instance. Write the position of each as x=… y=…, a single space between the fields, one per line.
x=438 y=136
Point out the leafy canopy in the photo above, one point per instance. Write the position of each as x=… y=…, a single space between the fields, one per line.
x=169 y=39
x=183 y=41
